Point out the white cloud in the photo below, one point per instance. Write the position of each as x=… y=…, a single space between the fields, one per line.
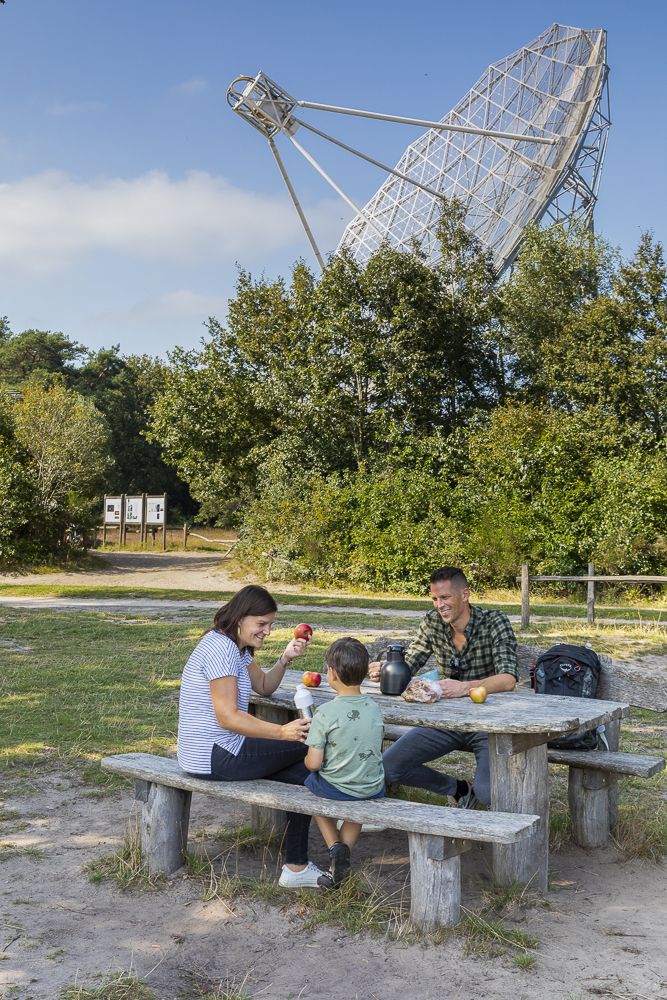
x=49 y=220
x=170 y=306
x=190 y=88
x=77 y=109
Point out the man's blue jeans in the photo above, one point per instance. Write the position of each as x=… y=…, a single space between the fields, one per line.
x=404 y=761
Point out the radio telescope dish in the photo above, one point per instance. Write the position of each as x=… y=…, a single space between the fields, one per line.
x=556 y=85
x=525 y=144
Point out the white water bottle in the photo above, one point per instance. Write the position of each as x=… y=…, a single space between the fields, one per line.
x=303 y=699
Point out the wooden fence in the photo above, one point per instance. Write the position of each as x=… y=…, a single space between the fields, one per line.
x=590 y=580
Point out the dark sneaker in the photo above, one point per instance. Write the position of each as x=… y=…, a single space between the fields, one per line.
x=340 y=862
x=325 y=881
x=467 y=801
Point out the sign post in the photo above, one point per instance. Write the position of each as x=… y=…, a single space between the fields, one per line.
x=156 y=514
x=134 y=514
x=114 y=513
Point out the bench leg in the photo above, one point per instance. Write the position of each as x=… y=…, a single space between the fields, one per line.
x=520 y=784
x=588 y=795
x=164 y=827
x=435 y=880
x=273 y=821
x=613 y=734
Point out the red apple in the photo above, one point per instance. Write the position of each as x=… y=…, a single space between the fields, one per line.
x=311 y=679
x=478 y=694
x=303 y=631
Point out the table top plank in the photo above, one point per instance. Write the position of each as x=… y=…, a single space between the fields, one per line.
x=507 y=712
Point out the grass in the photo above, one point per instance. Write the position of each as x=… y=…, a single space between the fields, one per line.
x=122 y=986
x=9 y=850
x=491 y=938
x=125 y=867
x=96 y=684
x=205 y=987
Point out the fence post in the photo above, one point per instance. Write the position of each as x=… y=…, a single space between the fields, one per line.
x=525 y=596
x=185 y=535
x=590 y=603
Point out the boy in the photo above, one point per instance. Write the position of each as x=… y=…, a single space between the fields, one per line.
x=345 y=750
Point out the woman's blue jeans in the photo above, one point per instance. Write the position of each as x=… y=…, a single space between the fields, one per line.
x=275 y=760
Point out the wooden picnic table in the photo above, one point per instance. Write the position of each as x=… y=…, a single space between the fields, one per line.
x=519 y=725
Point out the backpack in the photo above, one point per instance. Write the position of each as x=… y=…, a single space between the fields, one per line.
x=573 y=671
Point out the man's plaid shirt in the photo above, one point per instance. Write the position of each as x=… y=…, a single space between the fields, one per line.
x=490 y=646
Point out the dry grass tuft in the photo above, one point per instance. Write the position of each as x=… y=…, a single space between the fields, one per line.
x=204 y=987
x=125 y=866
x=122 y=986
x=491 y=939
x=641 y=831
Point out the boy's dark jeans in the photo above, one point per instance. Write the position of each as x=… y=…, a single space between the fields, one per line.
x=276 y=760
x=404 y=761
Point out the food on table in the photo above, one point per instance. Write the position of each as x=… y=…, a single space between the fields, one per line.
x=303 y=631
x=311 y=679
x=421 y=690
x=478 y=695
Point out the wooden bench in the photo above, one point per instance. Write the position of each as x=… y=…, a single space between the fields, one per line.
x=438 y=836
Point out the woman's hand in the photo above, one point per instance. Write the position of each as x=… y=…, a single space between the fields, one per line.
x=296 y=730
x=295 y=649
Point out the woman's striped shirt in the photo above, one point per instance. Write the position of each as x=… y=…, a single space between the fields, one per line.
x=198 y=729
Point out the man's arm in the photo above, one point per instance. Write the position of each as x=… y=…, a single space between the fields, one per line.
x=493 y=684
x=503 y=660
x=415 y=657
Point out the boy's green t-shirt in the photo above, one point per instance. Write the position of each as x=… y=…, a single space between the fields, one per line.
x=350 y=731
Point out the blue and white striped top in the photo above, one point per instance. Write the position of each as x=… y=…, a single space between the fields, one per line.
x=198 y=729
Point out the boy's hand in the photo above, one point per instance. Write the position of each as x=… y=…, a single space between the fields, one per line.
x=296 y=648
x=297 y=731
x=374 y=669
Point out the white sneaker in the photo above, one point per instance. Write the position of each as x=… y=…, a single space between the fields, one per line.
x=299 y=880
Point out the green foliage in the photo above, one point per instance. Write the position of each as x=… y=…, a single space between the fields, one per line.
x=335 y=376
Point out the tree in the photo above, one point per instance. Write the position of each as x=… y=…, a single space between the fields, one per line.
x=336 y=374
x=36 y=355
x=66 y=439
x=559 y=271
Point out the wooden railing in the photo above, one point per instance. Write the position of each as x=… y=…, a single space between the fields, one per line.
x=590 y=580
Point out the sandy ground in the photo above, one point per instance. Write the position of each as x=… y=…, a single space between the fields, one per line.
x=58 y=927
x=165 y=570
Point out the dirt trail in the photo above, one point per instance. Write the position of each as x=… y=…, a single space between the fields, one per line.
x=58 y=926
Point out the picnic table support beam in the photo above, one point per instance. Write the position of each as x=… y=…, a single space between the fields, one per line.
x=263 y=818
x=435 y=880
x=525 y=596
x=612 y=731
x=520 y=784
x=165 y=820
x=590 y=597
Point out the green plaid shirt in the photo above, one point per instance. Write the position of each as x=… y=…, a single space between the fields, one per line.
x=490 y=646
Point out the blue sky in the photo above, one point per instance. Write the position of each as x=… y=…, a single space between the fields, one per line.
x=129 y=190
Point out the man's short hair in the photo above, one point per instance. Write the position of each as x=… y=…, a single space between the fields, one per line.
x=450 y=574
x=349 y=658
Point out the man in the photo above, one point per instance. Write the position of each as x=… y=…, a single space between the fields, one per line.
x=473 y=647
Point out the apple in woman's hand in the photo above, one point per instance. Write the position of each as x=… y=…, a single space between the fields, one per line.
x=478 y=694
x=311 y=679
x=303 y=631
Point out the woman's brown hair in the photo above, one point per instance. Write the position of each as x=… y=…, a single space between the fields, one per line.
x=250 y=600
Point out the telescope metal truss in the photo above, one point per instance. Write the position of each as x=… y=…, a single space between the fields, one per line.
x=557 y=84
x=526 y=142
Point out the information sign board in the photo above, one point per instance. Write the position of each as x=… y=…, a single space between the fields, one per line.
x=133 y=510
x=112 y=510
x=155 y=510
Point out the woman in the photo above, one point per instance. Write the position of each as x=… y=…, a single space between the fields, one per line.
x=219 y=740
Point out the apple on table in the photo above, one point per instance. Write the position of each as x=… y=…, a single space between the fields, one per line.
x=478 y=694
x=311 y=679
